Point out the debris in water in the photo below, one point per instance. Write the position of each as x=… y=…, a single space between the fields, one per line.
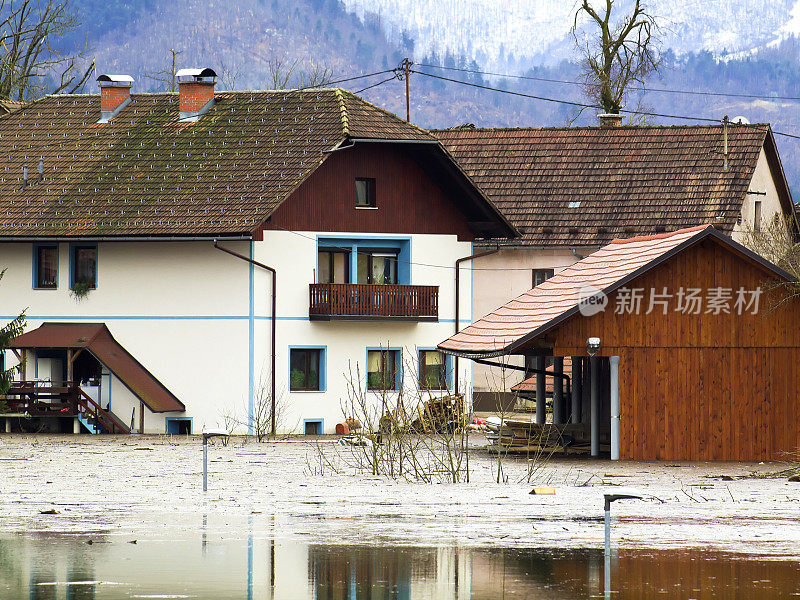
x=51 y=511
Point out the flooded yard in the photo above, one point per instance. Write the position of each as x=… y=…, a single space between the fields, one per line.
x=107 y=518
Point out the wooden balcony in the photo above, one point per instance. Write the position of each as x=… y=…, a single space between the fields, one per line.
x=373 y=302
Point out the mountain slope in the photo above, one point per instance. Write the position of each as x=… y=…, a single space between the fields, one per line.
x=522 y=33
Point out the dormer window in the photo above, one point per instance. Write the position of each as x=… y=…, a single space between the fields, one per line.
x=365 y=192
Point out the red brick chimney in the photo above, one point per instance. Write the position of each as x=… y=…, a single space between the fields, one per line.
x=115 y=94
x=195 y=92
x=610 y=119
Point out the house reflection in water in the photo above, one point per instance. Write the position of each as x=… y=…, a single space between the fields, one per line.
x=59 y=567
x=351 y=572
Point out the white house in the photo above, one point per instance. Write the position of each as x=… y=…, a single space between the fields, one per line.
x=149 y=236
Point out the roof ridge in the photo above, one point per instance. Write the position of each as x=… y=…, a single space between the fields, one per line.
x=343 y=112
x=458 y=130
x=388 y=113
x=659 y=236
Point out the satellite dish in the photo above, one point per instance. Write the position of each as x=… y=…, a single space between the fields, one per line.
x=740 y=120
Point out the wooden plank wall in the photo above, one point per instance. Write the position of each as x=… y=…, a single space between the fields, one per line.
x=409 y=201
x=701 y=387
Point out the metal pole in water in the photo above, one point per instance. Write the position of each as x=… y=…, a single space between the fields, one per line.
x=607 y=552
x=206 y=435
x=205 y=463
x=609 y=498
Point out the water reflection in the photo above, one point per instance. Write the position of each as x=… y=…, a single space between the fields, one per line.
x=212 y=565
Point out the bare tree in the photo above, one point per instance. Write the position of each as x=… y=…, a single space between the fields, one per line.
x=31 y=65
x=283 y=73
x=622 y=52
x=229 y=73
x=316 y=75
x=777 y=241
x=166 y=76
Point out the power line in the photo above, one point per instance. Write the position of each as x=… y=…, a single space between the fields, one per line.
x=369 y=87
x=599 y=107
x=637 y=88
x=568 y=102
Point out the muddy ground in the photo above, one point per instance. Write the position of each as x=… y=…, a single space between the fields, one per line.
x=151 y=486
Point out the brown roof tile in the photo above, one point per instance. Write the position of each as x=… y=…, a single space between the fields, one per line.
x=543 y=306
x=586 y=186
x=146 y=173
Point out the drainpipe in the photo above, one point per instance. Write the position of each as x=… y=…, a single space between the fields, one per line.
x=273 y=319
x=458 y=301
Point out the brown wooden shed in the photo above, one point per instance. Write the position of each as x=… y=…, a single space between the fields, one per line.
x=696 y=359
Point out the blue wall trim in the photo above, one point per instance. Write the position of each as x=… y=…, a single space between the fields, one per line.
x=251 y=334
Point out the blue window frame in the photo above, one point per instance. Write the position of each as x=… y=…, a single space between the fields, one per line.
x=307 y=368
x=313 y=426
x=45 y=266
x=384 y=369
x=83 y=264
x=178 y=425
x=369 y=260
x=435 y=369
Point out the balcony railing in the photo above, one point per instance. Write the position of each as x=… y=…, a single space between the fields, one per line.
x=359 y=301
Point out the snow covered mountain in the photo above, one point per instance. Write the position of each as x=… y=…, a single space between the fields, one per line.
x=522 y=33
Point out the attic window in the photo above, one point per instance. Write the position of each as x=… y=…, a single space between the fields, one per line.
x=574 y=204
x=365 y=192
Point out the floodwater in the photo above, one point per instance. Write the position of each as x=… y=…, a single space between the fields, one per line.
x=275 y=525
x=210 y=565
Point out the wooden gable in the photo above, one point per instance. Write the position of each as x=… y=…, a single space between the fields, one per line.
x=701 y=386
x=409 y=199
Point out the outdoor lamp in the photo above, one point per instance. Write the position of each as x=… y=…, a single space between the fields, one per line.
x=592 y=345
x=210 y=433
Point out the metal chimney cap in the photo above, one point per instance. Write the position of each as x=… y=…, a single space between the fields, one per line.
x=194 y=74
x=115 y=80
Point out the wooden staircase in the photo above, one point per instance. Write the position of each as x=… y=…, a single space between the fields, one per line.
x=32 y=399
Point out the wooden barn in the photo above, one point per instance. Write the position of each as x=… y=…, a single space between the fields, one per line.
x=682 y=349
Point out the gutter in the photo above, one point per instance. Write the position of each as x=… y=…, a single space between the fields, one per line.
x=458 y=300
x=273 y=319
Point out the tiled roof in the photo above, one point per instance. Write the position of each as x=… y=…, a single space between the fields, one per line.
x=7 y=106
x=146 y=173
x=536 y=311
x=586 y=186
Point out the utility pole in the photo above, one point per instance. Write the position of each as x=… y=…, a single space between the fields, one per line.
x=406 y=66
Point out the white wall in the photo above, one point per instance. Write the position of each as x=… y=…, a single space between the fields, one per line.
x=346 y=342
x=183 y=310
x=501 y=277
x=762 y=181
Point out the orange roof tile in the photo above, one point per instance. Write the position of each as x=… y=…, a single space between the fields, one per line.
x=558 y=298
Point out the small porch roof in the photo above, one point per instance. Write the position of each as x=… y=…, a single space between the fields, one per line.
x=510 y=328
x=98 y=341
